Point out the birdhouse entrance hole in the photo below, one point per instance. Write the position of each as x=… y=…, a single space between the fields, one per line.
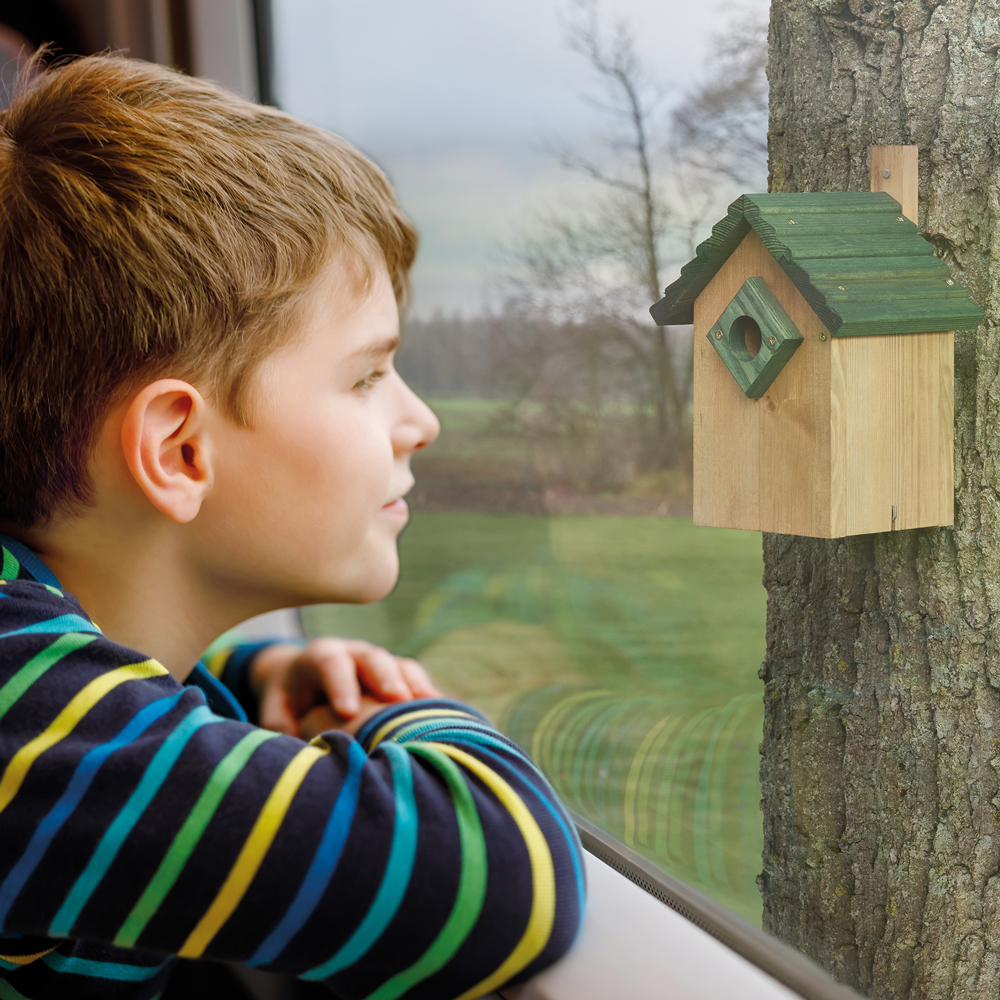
x=745 y=333
x=754 y=337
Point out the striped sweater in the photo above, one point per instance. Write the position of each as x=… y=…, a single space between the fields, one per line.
x=142 y=819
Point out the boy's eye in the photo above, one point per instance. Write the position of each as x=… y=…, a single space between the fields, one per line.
x=369 y=380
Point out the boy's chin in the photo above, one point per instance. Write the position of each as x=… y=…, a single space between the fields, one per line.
x=373 y=587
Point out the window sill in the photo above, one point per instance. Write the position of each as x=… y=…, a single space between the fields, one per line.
x=632 y=944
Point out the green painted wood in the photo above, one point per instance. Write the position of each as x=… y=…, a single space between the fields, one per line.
x=847 y=238
x=820 y=202
x=756 y=301
x=837 y=270
x=889 y=290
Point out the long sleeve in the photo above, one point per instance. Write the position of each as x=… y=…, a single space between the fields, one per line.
x=427 y=858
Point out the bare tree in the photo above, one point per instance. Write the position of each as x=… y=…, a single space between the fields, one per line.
x=720 y=127
x=598 y=266
x=662 y=172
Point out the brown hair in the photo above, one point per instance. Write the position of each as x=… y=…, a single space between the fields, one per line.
x=154 y=225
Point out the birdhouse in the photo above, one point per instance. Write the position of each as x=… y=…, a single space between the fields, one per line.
x=823 y=363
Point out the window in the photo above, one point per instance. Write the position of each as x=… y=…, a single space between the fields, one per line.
x=551 y=574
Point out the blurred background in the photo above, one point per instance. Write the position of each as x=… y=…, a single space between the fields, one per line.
x=562 y=161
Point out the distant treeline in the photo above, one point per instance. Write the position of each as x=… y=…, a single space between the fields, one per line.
x=455 y=357
x=584 y=400
x=513 y=355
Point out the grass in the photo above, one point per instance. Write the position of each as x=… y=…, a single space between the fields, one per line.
x=623 y=652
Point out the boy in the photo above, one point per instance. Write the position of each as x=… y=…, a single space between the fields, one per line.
x=202 y=422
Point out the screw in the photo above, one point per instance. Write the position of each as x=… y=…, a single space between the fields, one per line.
x=949 y=282
x=885 y=173
x=718 y=335
x=772 y=340
x=791 y=222
x=899 y=218
x=894 y=512
x=841 y=287
x=822 y=335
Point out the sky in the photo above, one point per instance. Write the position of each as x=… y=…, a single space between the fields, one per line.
x=461 y=101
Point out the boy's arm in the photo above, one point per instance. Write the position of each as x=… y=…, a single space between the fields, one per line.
x=277 y=681
x=231 y=662
x=429 y=851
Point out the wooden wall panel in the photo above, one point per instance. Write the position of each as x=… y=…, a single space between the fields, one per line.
x=895 y=401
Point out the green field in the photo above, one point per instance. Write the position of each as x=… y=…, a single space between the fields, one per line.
x=622 y=652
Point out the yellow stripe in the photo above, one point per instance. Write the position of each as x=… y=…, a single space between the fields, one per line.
x=62 y=725
x=26 y=959
x=252 y=854
x=543 y=879
x=426 y=713
x=217 y=661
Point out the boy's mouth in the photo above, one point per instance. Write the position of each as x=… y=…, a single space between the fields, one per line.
x=396 y=508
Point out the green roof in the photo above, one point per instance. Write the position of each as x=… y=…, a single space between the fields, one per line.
x=862 y=266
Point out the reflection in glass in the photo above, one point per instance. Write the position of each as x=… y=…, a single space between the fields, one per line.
x=622 y=652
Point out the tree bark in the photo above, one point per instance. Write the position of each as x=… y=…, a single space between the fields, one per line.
x=881 y=743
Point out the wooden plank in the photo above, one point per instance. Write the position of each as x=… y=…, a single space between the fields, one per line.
x=819 y=202
x=872 y=319
x=762 y=464
x=891 y=428
x=901 y=184
x=818 y=245
x=851 y=268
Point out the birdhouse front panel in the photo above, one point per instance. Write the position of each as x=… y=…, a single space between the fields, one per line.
x=762 y=464
x=823 y=367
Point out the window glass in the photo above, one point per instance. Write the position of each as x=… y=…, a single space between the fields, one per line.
x=551 y=572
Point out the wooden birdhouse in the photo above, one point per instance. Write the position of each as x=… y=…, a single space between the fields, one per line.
x=823 y=361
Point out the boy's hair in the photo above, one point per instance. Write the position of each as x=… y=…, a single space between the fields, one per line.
x=153 y=225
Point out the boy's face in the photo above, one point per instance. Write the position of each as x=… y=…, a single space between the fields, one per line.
x=306 y=505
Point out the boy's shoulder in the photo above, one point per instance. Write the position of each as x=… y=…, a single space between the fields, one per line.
x=42 y=626
x=28 y=607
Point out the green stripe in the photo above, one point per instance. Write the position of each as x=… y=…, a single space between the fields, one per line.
x=11 y=567
x=188 y=836
x=7 y=992
x=37 y=665
x=471 y=882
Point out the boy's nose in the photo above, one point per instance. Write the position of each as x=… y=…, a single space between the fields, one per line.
x=419 y=426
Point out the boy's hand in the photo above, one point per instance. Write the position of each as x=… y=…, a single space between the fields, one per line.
x=346 y=677
x=323 y=718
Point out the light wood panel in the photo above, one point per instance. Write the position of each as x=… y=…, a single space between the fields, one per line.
x=762 y=464
x=901 y=184
x=892 y=419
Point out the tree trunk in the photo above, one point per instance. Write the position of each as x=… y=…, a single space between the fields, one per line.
x=881 y=743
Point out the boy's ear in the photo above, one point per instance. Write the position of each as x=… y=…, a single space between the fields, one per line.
x=165 y=441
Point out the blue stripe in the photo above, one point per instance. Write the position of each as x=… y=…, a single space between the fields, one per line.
x=417 y=705
x=85 y=773
x=102 y=970
x=29 y=560
x=324 y=864
x=64 y=623
x=220 y=699
x=549 y=799
x=106 y=851
x=397 y=873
